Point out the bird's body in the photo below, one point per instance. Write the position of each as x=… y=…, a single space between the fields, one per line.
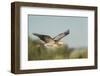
x=50 y=42
x=53 y=45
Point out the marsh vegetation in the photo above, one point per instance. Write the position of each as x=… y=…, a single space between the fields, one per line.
x=36 y=51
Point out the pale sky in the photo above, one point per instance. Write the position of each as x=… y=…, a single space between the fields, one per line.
x=53 y=25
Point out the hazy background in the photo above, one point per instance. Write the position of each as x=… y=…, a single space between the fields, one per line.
x=53 y=25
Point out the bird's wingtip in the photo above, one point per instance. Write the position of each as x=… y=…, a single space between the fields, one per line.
x=67 y=32
x=34 y=33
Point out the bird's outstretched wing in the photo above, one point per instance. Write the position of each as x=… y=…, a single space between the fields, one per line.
x=61 y=35
x=45 y=38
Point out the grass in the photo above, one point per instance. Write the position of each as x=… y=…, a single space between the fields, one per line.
x=36 y=51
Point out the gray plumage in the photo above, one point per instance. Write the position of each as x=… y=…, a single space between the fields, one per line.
x=47 y=38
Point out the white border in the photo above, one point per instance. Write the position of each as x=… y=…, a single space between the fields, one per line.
x=25 y=64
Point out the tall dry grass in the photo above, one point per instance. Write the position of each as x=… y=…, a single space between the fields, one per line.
x=36 y=51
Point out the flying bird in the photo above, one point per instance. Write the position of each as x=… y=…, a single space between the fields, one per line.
x=48 y=41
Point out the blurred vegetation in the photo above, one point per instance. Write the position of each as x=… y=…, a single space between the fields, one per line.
x=36 y=51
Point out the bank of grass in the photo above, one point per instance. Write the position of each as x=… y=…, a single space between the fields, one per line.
x=38 y=52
